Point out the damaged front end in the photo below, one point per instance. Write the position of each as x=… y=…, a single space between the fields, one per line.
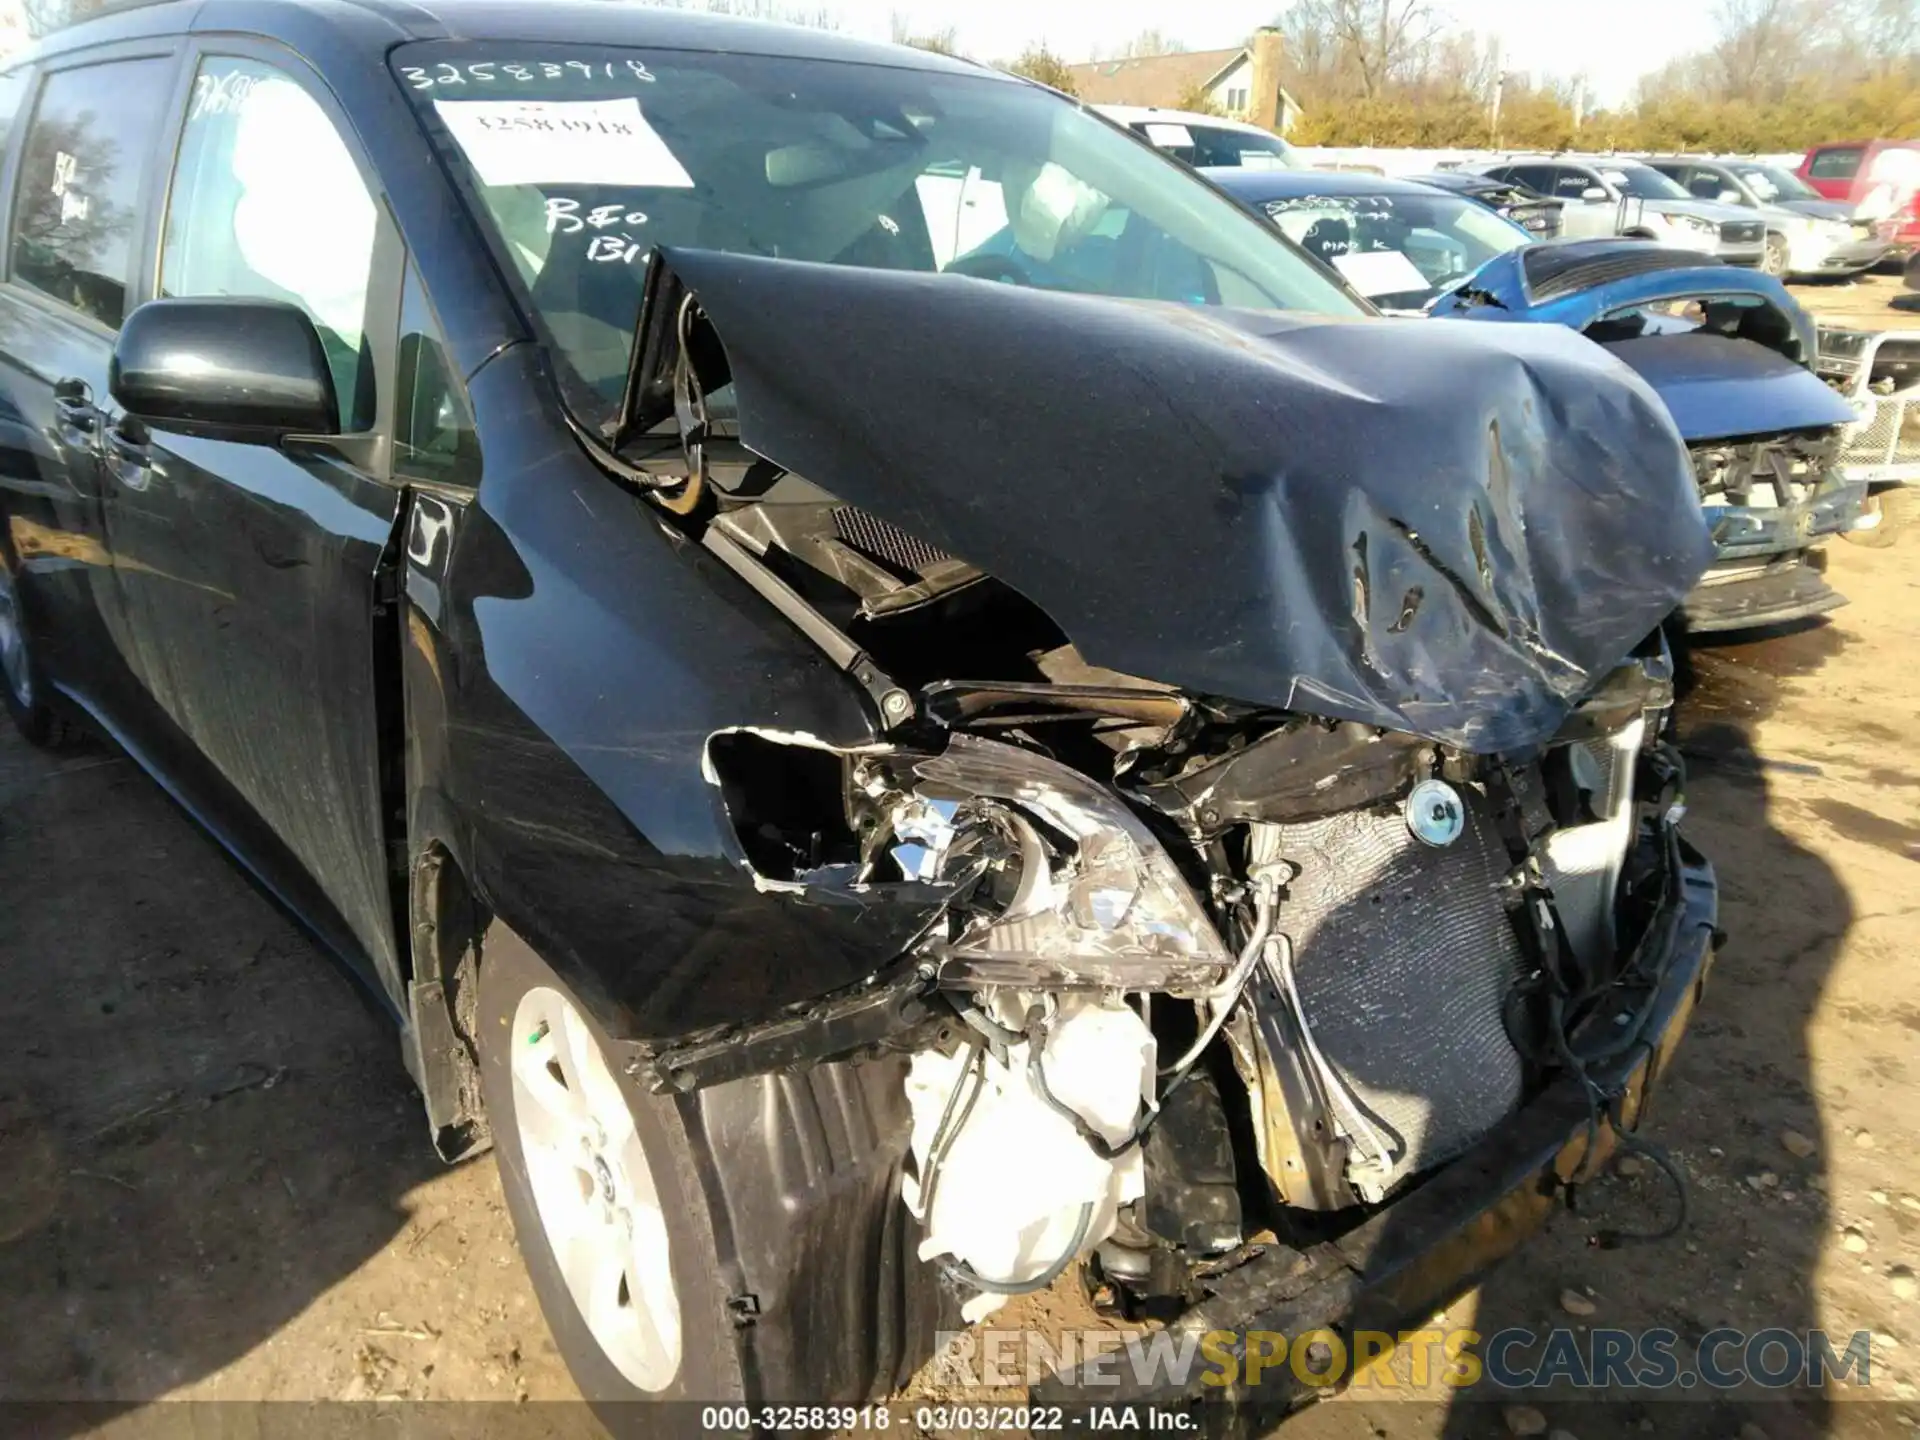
x=1732 y=355
x=1257 y=979
x=1217 y=966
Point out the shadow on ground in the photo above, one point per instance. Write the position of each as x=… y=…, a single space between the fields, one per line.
x=1758 y=1214
x=203 y=1126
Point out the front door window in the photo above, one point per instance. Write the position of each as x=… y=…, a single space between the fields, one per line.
x=269 y=204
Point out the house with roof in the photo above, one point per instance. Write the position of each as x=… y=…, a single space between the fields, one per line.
x=1243 y=82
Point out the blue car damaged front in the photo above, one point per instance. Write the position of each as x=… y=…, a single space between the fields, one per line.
x=1727 y=349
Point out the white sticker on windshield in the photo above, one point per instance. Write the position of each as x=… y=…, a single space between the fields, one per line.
x=1170 y=137
x=562 y=142
x=1380 y=272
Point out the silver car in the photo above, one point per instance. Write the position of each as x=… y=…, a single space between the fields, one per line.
x=1606 y=195
x=1805 y=237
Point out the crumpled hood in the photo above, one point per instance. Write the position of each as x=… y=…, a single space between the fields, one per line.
x=1450 y=530
x=1715 y=387
x=1720 y=389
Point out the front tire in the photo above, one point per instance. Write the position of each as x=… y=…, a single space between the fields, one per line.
x=601 y=1179
x=1777 y=257
x=23 y=685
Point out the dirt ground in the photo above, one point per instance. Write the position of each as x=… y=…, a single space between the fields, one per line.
x=215 y=1182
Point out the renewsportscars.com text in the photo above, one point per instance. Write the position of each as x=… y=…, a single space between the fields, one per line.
x=1511 y=1359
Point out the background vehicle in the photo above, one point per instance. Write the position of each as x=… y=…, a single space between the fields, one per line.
x=1877 y=180
x=1199 y=140
x=1878 y=372
x=1729 y=352
x=1805 y=235
x=546 y=488
x=1534 y=213
x=1610 y=196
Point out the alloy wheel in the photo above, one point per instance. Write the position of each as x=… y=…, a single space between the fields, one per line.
x=594 y=1189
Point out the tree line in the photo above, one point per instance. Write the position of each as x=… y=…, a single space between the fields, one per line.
x=1779 y=75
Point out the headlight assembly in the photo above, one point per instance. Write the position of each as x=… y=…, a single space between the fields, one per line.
x=1068 y=889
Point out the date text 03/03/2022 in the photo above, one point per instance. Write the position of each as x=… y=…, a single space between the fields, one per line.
x=982 y=1418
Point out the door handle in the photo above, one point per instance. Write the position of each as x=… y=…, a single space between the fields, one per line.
x=73 y=403
x=129 y=455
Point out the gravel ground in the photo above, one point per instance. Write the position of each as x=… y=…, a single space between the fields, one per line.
x=215 y=1182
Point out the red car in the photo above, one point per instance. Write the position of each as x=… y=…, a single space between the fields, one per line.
x=1879 y=179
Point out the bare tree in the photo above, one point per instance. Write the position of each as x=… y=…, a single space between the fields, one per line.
x=44 y=15
x=1368 y=43
x=1151 y=42
x=940 y=42
x=1762 y=46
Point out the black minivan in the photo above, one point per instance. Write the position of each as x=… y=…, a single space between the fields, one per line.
x=899 y=699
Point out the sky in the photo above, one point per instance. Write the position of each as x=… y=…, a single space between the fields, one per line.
x=1613 y=41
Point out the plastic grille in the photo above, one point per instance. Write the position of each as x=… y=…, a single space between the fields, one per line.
x=883 y=541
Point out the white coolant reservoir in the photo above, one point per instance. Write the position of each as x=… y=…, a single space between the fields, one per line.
x=1014 y=1175
x=1583 y=862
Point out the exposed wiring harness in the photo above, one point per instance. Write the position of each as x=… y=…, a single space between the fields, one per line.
x=966 y=1274
x=1569 y=994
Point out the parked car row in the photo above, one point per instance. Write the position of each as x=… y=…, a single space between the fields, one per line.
x=895 y=692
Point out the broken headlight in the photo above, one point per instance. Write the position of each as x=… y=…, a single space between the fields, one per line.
x=1065 y=887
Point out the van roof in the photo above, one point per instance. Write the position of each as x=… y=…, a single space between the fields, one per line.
x=386 y=22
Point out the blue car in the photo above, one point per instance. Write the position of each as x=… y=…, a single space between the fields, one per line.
x=1727 y=349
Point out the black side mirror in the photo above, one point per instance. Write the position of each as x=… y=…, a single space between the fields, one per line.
x=225 y=369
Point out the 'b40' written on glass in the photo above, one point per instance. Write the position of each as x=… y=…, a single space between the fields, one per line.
x=608 y=245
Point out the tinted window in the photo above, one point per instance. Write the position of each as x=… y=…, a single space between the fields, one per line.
x=76 y=218
x=1535 y=177
x=1207 y=146
x=1643 y=181
x=1840 y=163
x=434 y=436
x=1571 y=184
x=268 y=203
x=1705 y=184
x=1217 y=145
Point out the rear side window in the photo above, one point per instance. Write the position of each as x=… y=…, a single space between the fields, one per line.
x=269 y=204
x=76 y=216
x=1840 y=163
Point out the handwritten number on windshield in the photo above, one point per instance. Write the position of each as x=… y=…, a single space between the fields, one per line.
x=519 y=72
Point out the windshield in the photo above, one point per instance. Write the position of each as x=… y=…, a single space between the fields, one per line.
x=1205 y=146
x=1400 y=251
x=582 y=159
x=1644 y=181
x=1770 y=182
